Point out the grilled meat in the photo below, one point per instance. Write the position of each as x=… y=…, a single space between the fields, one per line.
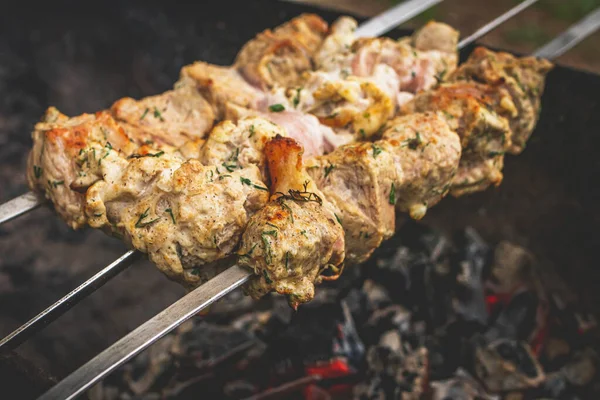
x=359 y=84
x=490 y=108
x=279 y=57
x=357 y=179
x=522 y=77
x=427 y=151
x=69 y=154
x=144 y=171
x=232 y=146
x=295 y=241
x=475 y=112
x=172 y=118
x=306 y=129
x=186 y=216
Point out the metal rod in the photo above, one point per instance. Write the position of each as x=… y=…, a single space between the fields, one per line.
x=575 y=34
x=484 y=30
x=393 y=17
x=148 y=333
x=64 y=304
x=18 y=206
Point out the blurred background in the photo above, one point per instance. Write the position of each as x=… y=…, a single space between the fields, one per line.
x=523 y=33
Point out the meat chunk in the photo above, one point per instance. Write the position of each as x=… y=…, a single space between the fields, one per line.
x=420 y=61
x=358 y=87
x=232 y=146
x=315 y=137
x=478 y=113
x=523 y=78
x=427 y=151
x=223 y=85
x=70 y=154
x=186 y=216
x=294 y=242
x=359 y=180
x=279 y=57
x=352 y=105
x=171 y=118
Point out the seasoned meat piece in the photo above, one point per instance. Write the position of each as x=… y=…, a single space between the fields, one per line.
x=478 y=113
x=523 y=78
x=223 y=85
x=232 y=146
x=184 y=215
x=294 y=242
x=171 y=118
x=315 y=137
x=351 y=105
x=69 y=154
x=476 y=174
x=359 y=180
x=420 y=61
x=357 y=89
x=279 y=57
x=427 y=151
x=334 y=52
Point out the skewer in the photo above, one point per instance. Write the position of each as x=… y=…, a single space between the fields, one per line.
x=53 y=312
x=203 y=296
x=487 y=28
x=575 y=34
x=18 y=206
x=30 y=201
x=61 y=306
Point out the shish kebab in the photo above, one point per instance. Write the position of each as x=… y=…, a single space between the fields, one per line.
x=26 y=202
x=189 y=213
x=233 y=277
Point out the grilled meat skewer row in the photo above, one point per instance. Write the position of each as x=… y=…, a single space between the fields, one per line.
x=176 y=120
x=189 y=216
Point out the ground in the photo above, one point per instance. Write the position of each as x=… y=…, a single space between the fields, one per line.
x=524 y=33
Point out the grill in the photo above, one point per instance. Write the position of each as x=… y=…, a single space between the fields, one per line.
x=531 y=201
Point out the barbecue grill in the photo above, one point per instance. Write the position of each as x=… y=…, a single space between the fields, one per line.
x=545 y=203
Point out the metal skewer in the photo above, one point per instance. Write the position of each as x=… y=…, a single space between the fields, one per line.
x=487 y=28
x=575 y=34
x=30 y=201
x=60 y=307
x=158 y=326
x=19 y=206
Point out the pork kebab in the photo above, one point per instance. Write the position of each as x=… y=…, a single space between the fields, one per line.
x=195 y=215
x=179 y=120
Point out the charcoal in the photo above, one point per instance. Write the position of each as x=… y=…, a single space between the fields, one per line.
x=471 y=262
x=460 y=387
x=321 y=330
x=507 y=365
x=517 y=320
x=582 y=368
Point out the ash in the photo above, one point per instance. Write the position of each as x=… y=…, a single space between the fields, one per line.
x=429 y=316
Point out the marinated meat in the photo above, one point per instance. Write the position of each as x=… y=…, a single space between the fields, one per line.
x=522 y=77
x=427 y=151
x=172 y=118
x=478 y=114
x=223 y=85
x=232 y=146
x=359 y=180
x=315 y=137
x=295 y=241
x=186 y=216
x=279 y=57
x=70 y=154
